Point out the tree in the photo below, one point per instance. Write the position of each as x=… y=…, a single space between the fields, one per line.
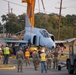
x=17 y=23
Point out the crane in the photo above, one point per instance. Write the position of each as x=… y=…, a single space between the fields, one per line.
x=30 y=10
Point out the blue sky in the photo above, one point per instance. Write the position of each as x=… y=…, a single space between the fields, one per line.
x=50 y=7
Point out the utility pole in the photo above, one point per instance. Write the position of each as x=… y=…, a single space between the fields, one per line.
x=59 y=22
x=74 y=28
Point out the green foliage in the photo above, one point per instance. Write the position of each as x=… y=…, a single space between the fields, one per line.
x=48 y=21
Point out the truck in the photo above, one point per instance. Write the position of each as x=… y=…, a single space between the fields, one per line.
x=71 y=61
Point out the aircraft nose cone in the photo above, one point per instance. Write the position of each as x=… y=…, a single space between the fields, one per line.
x=51 y=45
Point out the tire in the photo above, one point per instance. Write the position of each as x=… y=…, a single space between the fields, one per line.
x=75 y=67
x=67 y=63
x=59 y=68
x=70 y=70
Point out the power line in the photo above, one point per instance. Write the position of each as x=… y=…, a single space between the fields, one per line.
x=54 y=4
x=42 y=10
x=18 y=4
x=71 y=7
x=15 y=3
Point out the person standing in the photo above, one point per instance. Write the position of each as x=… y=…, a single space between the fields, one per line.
x=27 y=56
x=49 y=60
x=1 y=53
x=20 y=57
x=6 y=52
x=43 y=61
x=35 y=57
x=55 y=59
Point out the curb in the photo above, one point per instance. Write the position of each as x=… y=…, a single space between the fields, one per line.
x=7 y=67
x=12 y=68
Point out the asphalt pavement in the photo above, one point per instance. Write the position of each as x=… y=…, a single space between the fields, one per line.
x=29 y=70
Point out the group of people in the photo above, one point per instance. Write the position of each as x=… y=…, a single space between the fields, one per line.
x=38 y=56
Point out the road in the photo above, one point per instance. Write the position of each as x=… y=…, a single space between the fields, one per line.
x=29 y=70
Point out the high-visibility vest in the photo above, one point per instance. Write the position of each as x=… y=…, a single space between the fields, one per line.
x=43 y=57
x=27 y=53
x=6 y=50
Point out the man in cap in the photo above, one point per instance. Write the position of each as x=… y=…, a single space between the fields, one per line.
x=35 y=57
x=43 y=61
x=55 y=59
x=20 y=57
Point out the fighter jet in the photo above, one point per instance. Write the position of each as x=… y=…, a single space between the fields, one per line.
x=38 y=36
x=35 y=36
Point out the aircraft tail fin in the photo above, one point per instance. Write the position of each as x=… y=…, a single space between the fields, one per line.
x=27 y=21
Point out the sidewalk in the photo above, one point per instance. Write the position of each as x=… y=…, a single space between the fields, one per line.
x=9 y=67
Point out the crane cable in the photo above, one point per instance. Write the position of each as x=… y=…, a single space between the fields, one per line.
x=43 y=5
x=44 y=9
x=39 y=6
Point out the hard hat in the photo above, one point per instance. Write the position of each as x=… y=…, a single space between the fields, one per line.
x=35 y=49
x=43 y=50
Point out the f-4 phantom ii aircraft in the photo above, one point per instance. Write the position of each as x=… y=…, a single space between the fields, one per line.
x=35 y=36
x=38 y=36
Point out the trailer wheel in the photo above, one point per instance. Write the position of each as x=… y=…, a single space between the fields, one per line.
x=59 y=68
x=70 y=70
x=75 y=67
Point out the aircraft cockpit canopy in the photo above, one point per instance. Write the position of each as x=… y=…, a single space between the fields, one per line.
x=44 y=33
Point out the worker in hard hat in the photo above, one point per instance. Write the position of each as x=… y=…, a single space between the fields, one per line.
x=35 y=57
x=27 y=56
x=43 y=61
x=6 y=52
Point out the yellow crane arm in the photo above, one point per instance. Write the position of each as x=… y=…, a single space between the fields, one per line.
x=30 y=10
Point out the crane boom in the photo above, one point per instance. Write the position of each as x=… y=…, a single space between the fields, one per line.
x=30 y=10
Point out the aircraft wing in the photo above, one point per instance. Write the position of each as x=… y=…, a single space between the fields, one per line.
x=70 y=40
x=59 y=41
x=66 y=41
x=20 y=32
x=14 y=41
